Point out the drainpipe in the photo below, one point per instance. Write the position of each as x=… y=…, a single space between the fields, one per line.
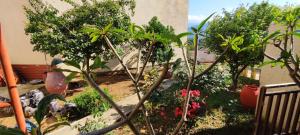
x=11 y=84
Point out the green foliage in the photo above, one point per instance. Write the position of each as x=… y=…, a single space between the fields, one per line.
x=162 y=50
x=91 y=125
x=244 y=29
x=90 y=102
x=43 y=107
x=150 y=77
x=215 y=80
x=55 y=32
x=10 y=131
x=248 y=81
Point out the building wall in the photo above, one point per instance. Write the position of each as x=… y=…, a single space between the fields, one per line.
x=12 y=18
x=274 y=75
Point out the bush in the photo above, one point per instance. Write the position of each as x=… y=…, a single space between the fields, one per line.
x=248 y=81
x=217 y=79
x=90 y=102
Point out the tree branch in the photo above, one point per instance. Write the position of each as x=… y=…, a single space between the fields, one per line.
x=186 y=62
x=135 y=110
x=149 y=125
x=111 y=102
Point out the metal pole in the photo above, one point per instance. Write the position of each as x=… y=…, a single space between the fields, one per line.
x=11 y=84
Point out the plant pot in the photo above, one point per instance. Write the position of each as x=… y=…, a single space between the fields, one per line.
x=248 y=96
x=55 y=83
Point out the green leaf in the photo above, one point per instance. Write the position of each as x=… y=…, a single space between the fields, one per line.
x=43 y=106
x=90 y=29
x=98 y=63
x=270 y=36
x=176 y=64
x=70 y=77
x=64 y=70
x=297 y=34
x=95 y=38
x=204 y=21
x=107 y=28
x=72 y=63
x=10 y=131
x=194 y=30
x=184 y=34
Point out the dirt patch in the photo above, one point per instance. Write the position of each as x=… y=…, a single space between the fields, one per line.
x=119 y=86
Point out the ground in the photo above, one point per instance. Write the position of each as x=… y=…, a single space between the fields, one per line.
x=119 y=86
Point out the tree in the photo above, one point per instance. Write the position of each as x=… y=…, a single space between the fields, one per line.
x=156 y=27
x=245 y=27
x=54 y=33
x=283 y=40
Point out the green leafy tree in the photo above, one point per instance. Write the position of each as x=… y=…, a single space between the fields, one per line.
x=243 y=29
x=55 y=32
x=154 y=26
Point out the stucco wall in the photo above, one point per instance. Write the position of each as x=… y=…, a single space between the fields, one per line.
x=12 y=18
x=273 y=75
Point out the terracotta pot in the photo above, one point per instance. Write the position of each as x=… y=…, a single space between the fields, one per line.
x=4 y=104
x=248 y=96
x=55 y=83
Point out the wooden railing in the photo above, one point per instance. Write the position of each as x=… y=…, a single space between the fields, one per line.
x=277 y=111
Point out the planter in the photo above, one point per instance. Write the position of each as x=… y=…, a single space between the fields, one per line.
x=248 y=96
x=55 y=83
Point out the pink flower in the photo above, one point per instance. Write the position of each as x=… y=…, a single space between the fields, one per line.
x=178 y=111
x=183 y=92
x=195 y=93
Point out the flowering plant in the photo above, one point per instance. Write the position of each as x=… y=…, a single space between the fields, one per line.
x=196 y=102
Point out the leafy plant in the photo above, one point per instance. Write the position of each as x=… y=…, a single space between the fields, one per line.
x=91 y=125
x=55 y=32
x=284 y=42
x=159 y=48
x=244 y=29
x=150 y=78
x=90 y=102
x=10 y=131
x=215 y=80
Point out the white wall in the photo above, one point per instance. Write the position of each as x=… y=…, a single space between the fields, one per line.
x=12 y=18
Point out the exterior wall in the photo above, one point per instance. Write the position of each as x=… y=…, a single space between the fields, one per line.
x=12 y=18
x=274 y=75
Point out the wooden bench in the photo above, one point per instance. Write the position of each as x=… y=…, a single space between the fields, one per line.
x=277 y=111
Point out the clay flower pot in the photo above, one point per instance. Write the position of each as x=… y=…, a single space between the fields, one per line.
x=248 y=96
x=55 y=83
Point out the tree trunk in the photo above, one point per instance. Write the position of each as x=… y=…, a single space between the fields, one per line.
x=234 y=84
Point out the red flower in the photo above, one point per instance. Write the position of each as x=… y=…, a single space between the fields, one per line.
x=195 y=105
x=195 y=93
x=190 y=113
x=178 y=111
x=183 y=92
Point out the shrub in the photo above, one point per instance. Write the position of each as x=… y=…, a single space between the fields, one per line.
x=217 y=79
x=90 y=102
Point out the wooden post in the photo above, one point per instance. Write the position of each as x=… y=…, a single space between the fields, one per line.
x=11 y=84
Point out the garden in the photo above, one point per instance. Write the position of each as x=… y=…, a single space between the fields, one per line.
x=163 y=93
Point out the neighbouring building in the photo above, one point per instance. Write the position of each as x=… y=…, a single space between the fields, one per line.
x=32 y=64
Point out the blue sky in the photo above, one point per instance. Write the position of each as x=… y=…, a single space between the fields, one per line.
x=200 y=9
